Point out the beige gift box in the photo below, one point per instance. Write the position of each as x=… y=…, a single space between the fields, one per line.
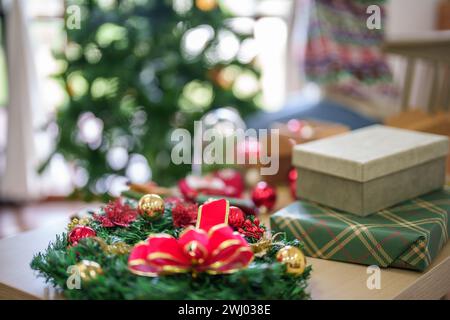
x=370 y=169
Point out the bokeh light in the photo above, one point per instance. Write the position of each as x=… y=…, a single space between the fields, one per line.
x=108 y=33
x=90 y=129
x=138 y=170
x=228 y=45
x=77 y=84
x=195 y=40
x=117 y=158
x=196 y=96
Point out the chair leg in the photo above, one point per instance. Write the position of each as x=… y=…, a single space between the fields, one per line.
x=409 y=74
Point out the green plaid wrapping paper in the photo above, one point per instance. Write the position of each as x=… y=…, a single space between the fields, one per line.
x=409 y=235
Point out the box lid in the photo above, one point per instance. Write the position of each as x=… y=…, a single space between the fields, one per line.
x=370 y=153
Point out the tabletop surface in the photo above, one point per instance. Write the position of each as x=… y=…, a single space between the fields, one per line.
x=329 y=279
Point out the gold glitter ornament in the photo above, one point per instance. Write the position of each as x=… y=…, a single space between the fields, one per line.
x=151 y=206
x=84 y=221
x=72 y=224
x=89 y=270
x=117 y=248
x=263 y=245
x=293 y=258
x=78 y=222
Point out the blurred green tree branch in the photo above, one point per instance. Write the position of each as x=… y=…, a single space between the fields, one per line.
x=129 y=68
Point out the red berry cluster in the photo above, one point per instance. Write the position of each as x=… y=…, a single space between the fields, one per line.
x=252 y=229
x=246 y=226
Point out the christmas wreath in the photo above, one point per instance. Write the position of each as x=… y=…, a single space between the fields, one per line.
x=150 y=248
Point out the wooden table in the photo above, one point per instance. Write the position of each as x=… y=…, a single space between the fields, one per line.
x=330 y=279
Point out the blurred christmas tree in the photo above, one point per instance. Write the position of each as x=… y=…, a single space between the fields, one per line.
x=136 y=69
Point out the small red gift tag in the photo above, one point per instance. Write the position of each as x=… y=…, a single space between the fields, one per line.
x=213 y=213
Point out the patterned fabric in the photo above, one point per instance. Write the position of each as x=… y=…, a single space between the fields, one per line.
x=409 y=235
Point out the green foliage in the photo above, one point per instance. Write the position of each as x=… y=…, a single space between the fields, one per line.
x=263 y=279
x=128 y=66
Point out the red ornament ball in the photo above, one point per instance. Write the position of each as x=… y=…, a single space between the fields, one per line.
x=80 y=232
x=236 y=217
x=292 y=177
x=233 y=179
x=264 y=195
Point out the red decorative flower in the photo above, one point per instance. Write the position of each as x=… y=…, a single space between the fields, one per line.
x=117 y=214
x=184 y=214
x=219 y=251
x=236 y=217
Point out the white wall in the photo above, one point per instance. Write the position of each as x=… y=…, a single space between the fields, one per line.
x=409 y=16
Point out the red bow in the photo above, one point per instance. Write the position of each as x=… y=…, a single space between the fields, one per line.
x=218 y=251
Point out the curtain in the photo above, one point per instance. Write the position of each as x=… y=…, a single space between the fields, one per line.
x=19 y=180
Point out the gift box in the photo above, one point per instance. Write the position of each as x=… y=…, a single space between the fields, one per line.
x=371 y=168
x=295 y=132
x=437 y=123
x=409 y=235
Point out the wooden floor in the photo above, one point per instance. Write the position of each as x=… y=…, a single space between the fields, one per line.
x=17 y=219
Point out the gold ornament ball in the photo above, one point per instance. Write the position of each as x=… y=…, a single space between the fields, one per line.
x=151 y=206
x=293 y=258
x=89 y=270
